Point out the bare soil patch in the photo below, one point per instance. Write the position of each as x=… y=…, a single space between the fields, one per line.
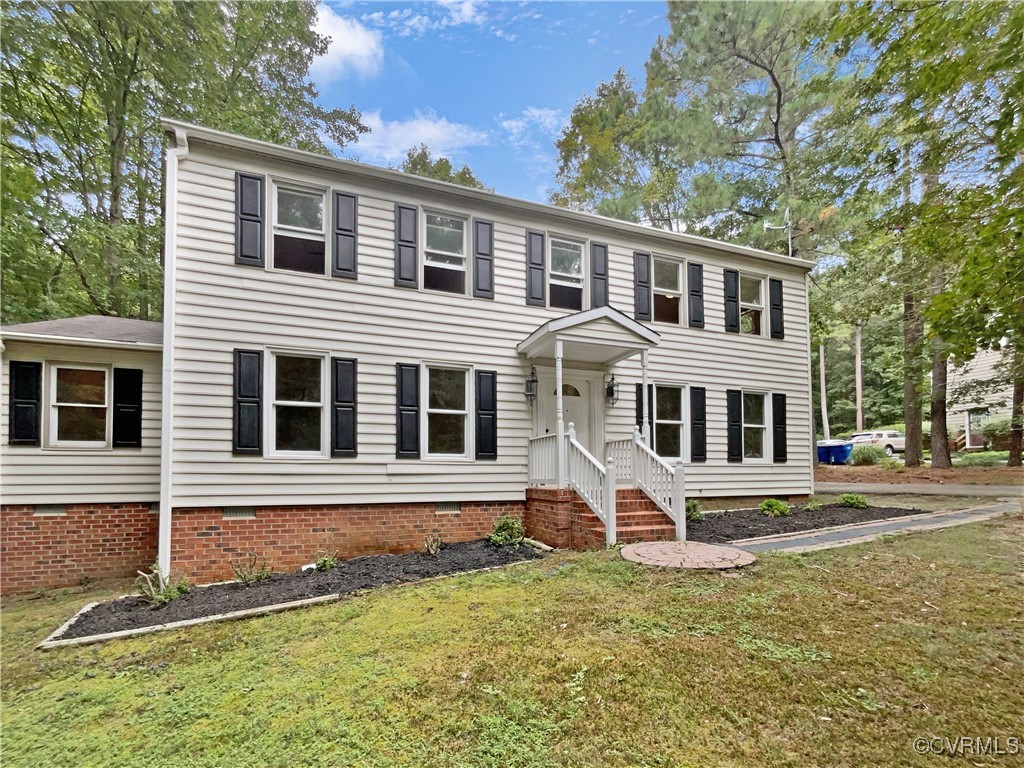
x=965 y=475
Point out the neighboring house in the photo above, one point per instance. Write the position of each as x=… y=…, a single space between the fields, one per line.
x=354 y=358
x=979 y=400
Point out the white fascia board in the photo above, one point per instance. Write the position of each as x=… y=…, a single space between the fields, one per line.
x=647 y=337
x=73 y=341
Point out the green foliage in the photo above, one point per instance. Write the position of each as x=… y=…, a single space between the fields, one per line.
x=418 y=161
x=432 y=544
x=888 y=462
x=507 y=530
x=252 y=570
x=155 y=589
x=852 y=501
x=982 y=459
x=866 y=455
x=996 y=429
x=693 y=511
x=774 y=508
x=325 y=562
x=813 y=505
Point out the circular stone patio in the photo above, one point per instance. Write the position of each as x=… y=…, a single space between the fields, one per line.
x=687 y=554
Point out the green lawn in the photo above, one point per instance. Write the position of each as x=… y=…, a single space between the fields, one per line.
x=837 y=658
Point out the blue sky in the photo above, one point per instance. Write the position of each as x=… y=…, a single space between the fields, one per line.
x=490 y=84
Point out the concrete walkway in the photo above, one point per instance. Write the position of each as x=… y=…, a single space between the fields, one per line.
x=844 y=535
x=927 y=489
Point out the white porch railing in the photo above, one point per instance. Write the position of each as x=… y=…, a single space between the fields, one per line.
x=594 y=483
x=622 y=452
x=661 y=481
x=542 y=456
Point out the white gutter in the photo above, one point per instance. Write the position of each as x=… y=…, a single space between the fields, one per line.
x=75 y=341
x=174 y=155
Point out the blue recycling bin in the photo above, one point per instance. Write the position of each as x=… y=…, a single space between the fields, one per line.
x=834 y=451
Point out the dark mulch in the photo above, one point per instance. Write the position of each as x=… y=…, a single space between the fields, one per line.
x=346 y=577
x=750 y=523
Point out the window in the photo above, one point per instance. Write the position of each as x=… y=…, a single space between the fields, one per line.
x=668 y=421
x=753 y=425
x=297 y=404
x=79 y=406
x=444 y=267
x=565 y=289
x=299 y=239
x=446 y=412
x=751 y=305
x=668 y=292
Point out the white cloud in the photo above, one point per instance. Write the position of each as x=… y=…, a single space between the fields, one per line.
x=389 y=140
x=353 y=48
x=441 y=15
x=522 y=131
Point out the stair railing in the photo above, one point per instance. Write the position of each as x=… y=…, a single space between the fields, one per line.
x=663 y=483
x=594 y=482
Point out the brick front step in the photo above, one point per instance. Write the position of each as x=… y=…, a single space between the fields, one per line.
x=634 y=534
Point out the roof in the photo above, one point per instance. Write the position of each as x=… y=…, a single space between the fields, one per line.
x=601 y=335
x=188 y=133
x=92 y=330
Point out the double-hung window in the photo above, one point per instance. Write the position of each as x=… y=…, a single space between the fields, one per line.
x=80 y=397
x=751 y=304
x=444 y=263
x=447 y=414
x=668 y=421
x=299 y=233
x=754 y=425
x=667 y=290
x=565 y=289
x=297 y=393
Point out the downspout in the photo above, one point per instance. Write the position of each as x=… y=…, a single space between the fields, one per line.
x=174 y=155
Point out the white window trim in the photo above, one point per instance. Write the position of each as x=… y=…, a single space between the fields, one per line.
x=681 y=283
x=425 y=251
x=271 y=401
x=426 y=410
x=553 y=277
x=684 y=435
x=51 y=406
x=746 y=305
x=766 y=439
x=298 y=232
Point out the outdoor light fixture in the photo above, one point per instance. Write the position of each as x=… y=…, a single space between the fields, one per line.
x=530 y=385
x=611 y=390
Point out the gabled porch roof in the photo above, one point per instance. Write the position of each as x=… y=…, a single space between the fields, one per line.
x=602 y=335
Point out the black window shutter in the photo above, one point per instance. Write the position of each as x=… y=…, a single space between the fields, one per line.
x=698 y=424
x=734 y=424
x=695 y=289
x=775 y=321
x=483 y=259
x=343 y=407
x=26 y=402
x=406 y=270
x=343 y=260
x=407 y=444
x=250 y=243
x=642 y=286
x=127 y=408
x=598 y=275
x=535 y=269
x=650 y=406
x=778 y=428
x=248 y=427
x=486 y=415
x=732 y=301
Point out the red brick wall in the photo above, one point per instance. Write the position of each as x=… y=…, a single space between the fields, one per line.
x=204 y=541
x=90 y=541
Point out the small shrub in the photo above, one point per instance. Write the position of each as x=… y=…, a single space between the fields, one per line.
x=890 y=463
x=432 y=544
x=853 y=501
x=813 y=506
x=865 y=455
x=252 y=570
x=507 y=530
x=155 y=589
x=774 y=508
x=326 y=562
x=997 y=433
x=693 y=511
x=982 y=459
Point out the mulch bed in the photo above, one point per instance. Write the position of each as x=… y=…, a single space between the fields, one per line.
x=346 y=577
x=750 y=523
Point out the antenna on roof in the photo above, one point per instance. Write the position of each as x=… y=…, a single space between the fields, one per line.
x=787 y=225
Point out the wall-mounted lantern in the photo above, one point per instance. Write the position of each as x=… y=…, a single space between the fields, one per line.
x=530 y=385
x=611 y=390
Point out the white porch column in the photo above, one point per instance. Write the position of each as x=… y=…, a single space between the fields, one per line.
x=559 y=415
x=645 y=428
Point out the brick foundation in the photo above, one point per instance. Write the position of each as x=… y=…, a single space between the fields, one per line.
x=87 y=542
x=560 y=518
x=204 y=541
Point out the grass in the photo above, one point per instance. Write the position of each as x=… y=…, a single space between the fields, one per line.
x=839 y=657
x=981 y=459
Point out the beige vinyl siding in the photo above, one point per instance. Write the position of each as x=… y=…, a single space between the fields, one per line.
x=984 y=367
x=221 y=306
x=43 y=475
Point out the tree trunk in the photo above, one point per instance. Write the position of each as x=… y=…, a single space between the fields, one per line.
x=913 y=330
x=1016 y=415
x=824 y=397
x=858 y=374
x=940 y=434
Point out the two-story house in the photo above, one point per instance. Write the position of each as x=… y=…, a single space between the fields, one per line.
x=352 y=358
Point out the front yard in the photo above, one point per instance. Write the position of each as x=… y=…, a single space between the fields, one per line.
x=838 y=658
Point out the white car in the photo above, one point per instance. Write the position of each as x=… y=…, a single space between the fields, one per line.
x=889 y=440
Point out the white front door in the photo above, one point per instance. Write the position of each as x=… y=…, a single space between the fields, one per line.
x=576 y=406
